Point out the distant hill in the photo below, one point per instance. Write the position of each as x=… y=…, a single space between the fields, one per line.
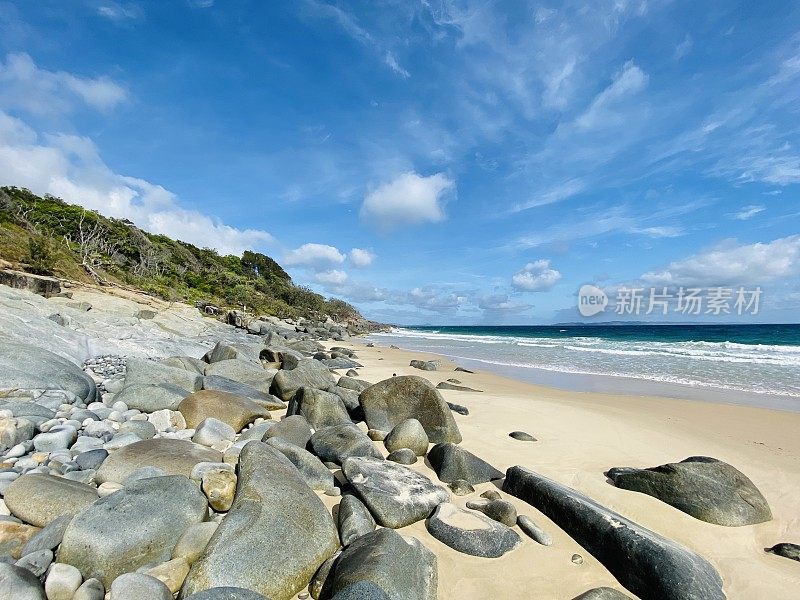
x=48 y=236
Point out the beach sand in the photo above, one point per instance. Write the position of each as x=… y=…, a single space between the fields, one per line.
x=582 y=435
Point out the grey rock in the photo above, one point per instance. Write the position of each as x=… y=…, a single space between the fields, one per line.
x=320 y=584
x=602 y=593
x=408 y=434
x=293 y=429
x=340 y=363
x=308 y=373
x=211 y=431
x=522 y=436
x=458 y=408
x=144 y=430
x=244 y=371
x=446 y=385
x=223 y=384
x=400 y=566
x=533 y=531
x=275 y=536
x=49 y=537
x=40 y=499
x=451 y=462
x=403 y=456
x=62 y=582
x=705 y=488
x=222 y=351
x=314 y=473
x=187 y=363
x=321 y=409
x=23 y=366
x=91 y=589
x=150 y=397
x=143 y=473
x=351 y=403
x=258 y=431
x=17 y=583
x=174 y=457
x=471 y=533
x=153 y=514
x=361 y=590
x=424 y=365
x=376 y=435
x=352 y=383
x=138 y=586
x=498 y=510
x=462 y=370
x=392 y=401
x=60 y=437
x=646 y=563
x=786 y=550
x=36 y=562
x=140 y=371
x=227 y=593
x=353 y=520
x=236 y=411
x=395 y=495
x=335 y=444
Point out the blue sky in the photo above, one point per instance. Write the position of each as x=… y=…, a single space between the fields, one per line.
x=430 y=161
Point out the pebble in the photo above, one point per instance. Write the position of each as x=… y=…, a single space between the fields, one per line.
x=461 y=487
x=220 y=488
x=577 y=559
x=91 y=589
x=535 y=532
x=139 y=586
x=171 y=573
x=522 y=436
x=62 y=582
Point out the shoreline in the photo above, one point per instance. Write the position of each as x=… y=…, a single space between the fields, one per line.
x=583 y=434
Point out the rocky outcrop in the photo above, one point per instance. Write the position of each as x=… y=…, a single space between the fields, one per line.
x=706 y=488
x=275 y=536
x=392 y=401
x=650 y=566
x=23 y=366
x=452 y=463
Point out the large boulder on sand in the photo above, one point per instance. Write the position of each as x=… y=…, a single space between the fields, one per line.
x=646 y=563
x=706 y=488
x=470 y=532
x=452 y=463
x=602 y=593
x=149 y=398
x=39 y=499
x=27 y=367
x=275 y=536
x=316 y=475
x=174 y=457
x=234 y=410
x=400 y=566
x=335 y=444
x=391 y=401
x=243 y=371
x=395 y=495
x=353 y=519
x=136 y=526
x=321 y=409
x=223 y=384
x=409 y=434
x=308 y=373
x=293 y=429
x=142 y=371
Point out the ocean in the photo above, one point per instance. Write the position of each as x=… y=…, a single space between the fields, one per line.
x=743 y=364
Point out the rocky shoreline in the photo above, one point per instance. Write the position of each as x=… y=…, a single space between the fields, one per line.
x=152 y=452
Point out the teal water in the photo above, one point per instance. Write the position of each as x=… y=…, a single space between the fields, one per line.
x=728 y=360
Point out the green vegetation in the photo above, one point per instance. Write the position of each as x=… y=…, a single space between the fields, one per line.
x=49 y=236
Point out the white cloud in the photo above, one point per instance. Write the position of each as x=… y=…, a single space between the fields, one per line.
x=71 y=168
x=333 y=277
x=361 y=258
x=683 y=48
x=729 y=264
x=409 y=199
x=434 y=300
x=24 y=86
x=601 y=114
x=501 y=304
x=391 y=60
x=747 y=212
x=315 y=256
x=557 y=193
x=536 y=276
x=117 y=12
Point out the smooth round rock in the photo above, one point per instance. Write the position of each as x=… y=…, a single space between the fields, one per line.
x=138 y=586
x=408 y=434
x=471 y=533
x=226 y=593
x=535 y=532
x=522 y=436
x=36 y=562
x=91 y=589
x=17 y=583
x=403 y=456
x=194 y=540
x=62 y=582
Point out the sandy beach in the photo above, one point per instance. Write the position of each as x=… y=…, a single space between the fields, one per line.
x=580 y=436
